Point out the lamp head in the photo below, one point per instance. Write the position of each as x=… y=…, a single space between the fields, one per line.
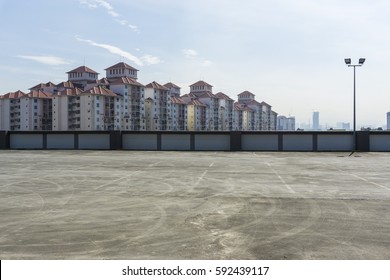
x=361 y=61
x=347 y=61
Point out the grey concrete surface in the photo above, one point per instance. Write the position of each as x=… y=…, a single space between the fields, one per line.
x=193 y=205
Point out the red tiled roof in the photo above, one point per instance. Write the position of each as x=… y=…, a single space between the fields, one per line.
x=42 y=85
x=246 y=92
x=242 y=107
x=196 y=102
x=206 y=94
x=99 y=90
x=156 y=85
x=171 y=85
x=121 y=65
x=83 y=69
x=40 y=94
x=103 y=81
x=14 y=95
x=177 y=100
x=266 y=104
x=253 y=102
x=71 y=92
x=221 y=95
x=201 y=83
x=38 y=86
x=126 y=81
x=67 y=84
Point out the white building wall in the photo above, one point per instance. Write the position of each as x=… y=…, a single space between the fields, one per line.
x=87 y=114
x=26 y=114
x=119 y=112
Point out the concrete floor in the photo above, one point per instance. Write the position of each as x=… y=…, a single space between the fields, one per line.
x=193 y=205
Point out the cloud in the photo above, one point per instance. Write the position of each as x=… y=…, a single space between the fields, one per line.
x=190 y=53
x=134 y=28
x=126 y=23
x=150 y=59
x=49 y=60
x=193 y=54
x=93 y=4
x=206 y=63
x=146 y=59
x=113 y=50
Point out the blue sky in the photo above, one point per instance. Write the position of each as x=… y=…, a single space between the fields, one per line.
x=289 y=53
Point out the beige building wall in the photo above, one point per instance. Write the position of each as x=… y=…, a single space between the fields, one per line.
x=191 y=117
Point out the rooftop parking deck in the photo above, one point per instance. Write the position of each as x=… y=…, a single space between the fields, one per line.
x=194 y=205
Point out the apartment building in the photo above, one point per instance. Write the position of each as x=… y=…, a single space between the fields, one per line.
x=226 y=105
x=244 y=117
x=11 y=111
x=274 y=121
x=204 y=92
x=81 y=76
x=100 y=109
x=196 y=115
x=133 y=94
x=247 y=98
x=178 y=114
x=66 y=109
x=266 y=117
x=174 y=90
x=161 y=109
x=285 y=123
x=36 y=111
x=119 y=102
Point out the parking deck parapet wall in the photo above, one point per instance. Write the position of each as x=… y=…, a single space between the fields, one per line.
x=309 y=141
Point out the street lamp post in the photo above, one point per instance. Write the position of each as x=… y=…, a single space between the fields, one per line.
x=348 y=62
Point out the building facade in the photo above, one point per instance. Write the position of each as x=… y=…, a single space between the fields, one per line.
x=119 y=101
x=285 y=123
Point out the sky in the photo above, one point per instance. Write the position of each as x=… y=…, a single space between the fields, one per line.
x=289 y=53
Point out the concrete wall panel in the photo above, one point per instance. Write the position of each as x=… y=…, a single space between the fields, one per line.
x=297 y=142
x=336 y=142
x=60 y=141
x=94 y=141
x=380 y=143
x=261 y=142
x=26 y=141
x=212 y=142
x=175 y=142
x=139 y=141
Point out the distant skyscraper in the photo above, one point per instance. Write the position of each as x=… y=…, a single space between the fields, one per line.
x=316 y=120
x=388 y=120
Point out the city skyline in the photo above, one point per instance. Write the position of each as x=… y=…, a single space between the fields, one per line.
x=289 y=53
